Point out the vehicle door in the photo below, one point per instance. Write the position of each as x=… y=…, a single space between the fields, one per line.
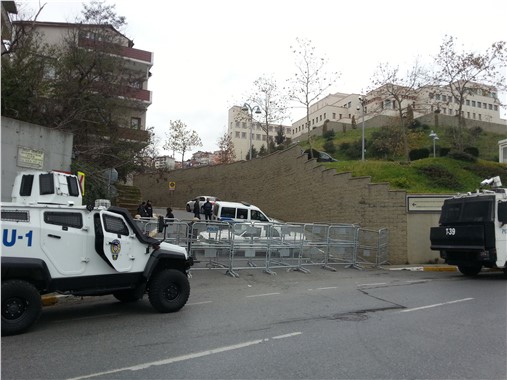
x=65 y=240
x=501 y=239
x=118 y=240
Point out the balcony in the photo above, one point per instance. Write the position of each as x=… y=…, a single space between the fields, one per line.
x=123 y=51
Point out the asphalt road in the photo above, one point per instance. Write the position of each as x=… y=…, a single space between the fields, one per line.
x=348 y=324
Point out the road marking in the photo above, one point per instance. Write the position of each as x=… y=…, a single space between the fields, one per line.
x=373 y=284
x=287 y=335
x=329 y=287
x=262 y=295
x=186 y=357
x=199 y=303
x=435 y=305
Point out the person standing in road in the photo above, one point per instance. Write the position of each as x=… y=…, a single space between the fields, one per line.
x=141 y=210
x=207 y=208
x=197 y=209
x=149 y=209
x=169 y=214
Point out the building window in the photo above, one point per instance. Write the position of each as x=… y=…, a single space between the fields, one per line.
x=468 y=115
x=490 y=106
x=243 y=125
x=430 y=95
x=495 y=107
x=340 y=116
x=437 y=96
x=479 y=105
x=473 y=115
x=473 y=103
x=444 y=98
x=237 y=135
x=135 y=122
x=480 y=117
x=334 y=115
x=324 y=115
x=243 y=135
x=237 y=124
x=468 y=102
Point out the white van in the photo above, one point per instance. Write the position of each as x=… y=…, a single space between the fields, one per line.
x=238 y=212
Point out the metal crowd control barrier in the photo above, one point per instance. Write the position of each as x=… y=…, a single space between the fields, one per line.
x=342 y=245
x=285 y=247
x=212 y=241
x=372 y=247
x=250 y=245
x=267 y=246
x=314 y=244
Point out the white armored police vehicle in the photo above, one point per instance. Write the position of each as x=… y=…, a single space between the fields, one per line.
x=472 y=230
x=52 y=243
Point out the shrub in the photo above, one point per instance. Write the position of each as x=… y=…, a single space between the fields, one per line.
x=472 y=150
x=444 y=151
x=417 y=154
x=329 y=135
x=329 y=147
x=462 y=156
x=440 y=176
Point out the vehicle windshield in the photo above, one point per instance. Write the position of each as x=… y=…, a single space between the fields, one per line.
x=467 y=210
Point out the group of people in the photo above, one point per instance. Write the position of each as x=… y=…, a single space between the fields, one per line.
x=145 y=209
x=207 y=209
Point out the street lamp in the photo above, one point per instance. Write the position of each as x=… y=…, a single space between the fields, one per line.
x=248 y=108
x=363 y=102
x=434 y=136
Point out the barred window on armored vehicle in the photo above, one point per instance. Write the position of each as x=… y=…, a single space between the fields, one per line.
x=16 y=216
x=115 y=225
x=47 y=184
x=64 y=219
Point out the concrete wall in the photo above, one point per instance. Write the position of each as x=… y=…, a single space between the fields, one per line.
x=53 y=147
x=287 y=186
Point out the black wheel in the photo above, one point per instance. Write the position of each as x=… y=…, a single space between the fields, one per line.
x=188 y=207
x=470 y=270
x=128 y=295
x=169 y=290
x=21 y=306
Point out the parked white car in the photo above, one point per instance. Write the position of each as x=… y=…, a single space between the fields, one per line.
x=202 y=200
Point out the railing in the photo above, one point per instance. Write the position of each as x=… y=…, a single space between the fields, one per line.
x=270 y=246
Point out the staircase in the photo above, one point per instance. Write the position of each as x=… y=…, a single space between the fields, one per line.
x=128 y=197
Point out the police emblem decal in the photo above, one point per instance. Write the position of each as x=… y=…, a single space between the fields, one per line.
x=115 y=248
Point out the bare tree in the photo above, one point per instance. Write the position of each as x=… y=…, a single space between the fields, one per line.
x=467 y=72
x=401 y=89
x=226 y=149
x=310 y=80
x=181 y=139
x=271 y=102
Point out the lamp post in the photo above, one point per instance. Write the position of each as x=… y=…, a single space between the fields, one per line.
x=363 y=102
x=434 y=136
x=248 y=108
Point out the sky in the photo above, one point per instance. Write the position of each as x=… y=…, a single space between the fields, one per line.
x=207 y=54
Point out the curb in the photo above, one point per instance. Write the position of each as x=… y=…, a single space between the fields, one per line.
x=448 y=268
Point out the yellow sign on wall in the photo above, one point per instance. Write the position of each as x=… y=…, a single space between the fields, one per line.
x=172 y=185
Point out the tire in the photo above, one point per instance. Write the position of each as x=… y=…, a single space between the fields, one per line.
x=169 y=290
x=21 y=306
x=470 y=270
x=188 y=207
x=128 y=295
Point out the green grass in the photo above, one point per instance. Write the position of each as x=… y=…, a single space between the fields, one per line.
x=438 y=175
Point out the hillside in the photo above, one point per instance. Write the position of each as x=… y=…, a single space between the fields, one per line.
x=450 y=174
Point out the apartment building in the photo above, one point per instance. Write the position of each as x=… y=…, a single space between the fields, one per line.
x=481 y=104
x=165 y=162
x=243 y=131
x=137 y=62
